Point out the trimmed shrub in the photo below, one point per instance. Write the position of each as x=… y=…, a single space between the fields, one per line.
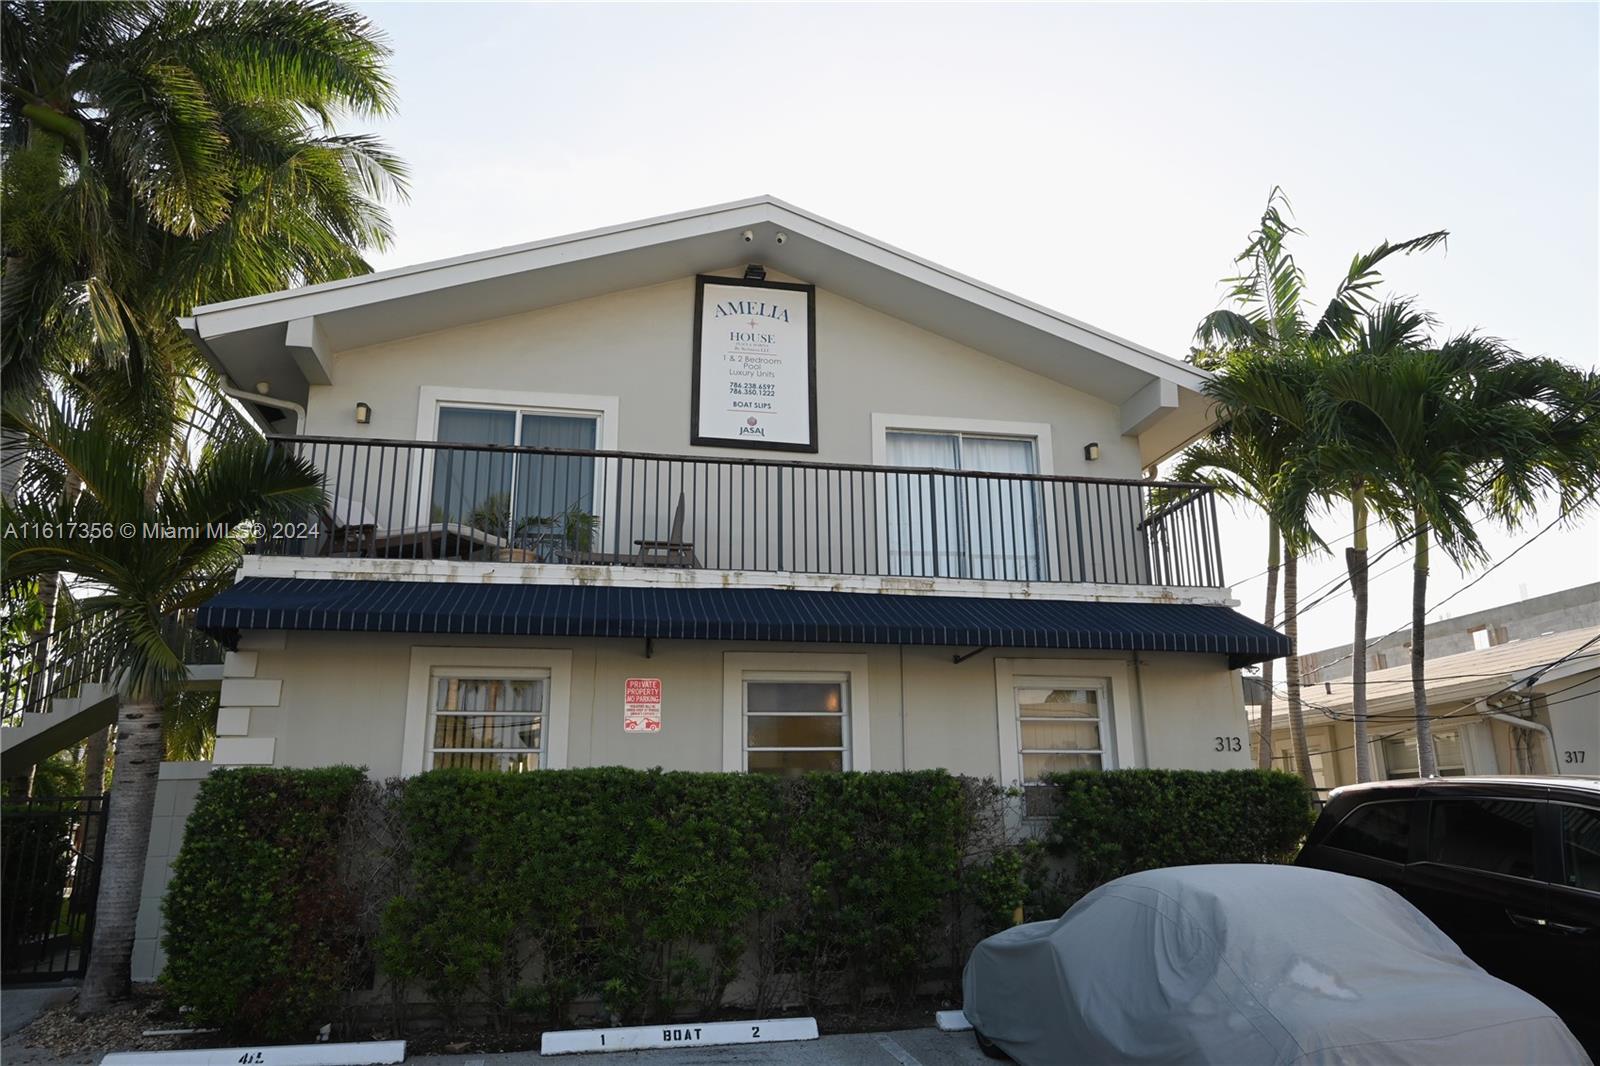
x=635 y=886
x=1116 y=822
x=259 y=930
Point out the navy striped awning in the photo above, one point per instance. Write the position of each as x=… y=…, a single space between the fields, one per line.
x=787 y=615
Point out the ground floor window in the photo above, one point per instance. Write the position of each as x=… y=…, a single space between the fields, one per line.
x=1060 y=727
x=1400 y=756
x=487 y=723
x=796 y=722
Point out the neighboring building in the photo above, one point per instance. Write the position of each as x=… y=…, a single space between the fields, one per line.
x=1535 y=616
x=1507 y=694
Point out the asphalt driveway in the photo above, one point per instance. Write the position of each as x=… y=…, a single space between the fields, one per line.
x=908 y=1047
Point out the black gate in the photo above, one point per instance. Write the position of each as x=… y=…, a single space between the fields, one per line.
x=49 y=876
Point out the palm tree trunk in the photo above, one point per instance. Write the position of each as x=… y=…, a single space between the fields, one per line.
x=1355 y=561
x=1291 y=629
x=1264 y=727
x=1427 y=758
x=138 y=767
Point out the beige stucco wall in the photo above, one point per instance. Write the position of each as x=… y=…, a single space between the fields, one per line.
x=326 y=698
x=176 y=791
x=636 y=345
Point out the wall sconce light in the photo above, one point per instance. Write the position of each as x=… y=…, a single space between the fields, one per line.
x=1091 y=451
x=363 y=414
x=755 y=272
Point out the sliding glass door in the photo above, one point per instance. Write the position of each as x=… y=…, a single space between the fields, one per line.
x=529 y=500
x=941 y=525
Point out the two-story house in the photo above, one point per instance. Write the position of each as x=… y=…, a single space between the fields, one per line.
x=733 y=489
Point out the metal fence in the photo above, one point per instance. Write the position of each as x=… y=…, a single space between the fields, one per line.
x=416 y=499
x=49 y=877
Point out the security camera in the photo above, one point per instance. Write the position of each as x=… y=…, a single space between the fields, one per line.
x=749 y=236
x=780 y=238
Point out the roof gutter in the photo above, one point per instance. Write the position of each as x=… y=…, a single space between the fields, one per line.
x=191 y=329
x=1542 y=730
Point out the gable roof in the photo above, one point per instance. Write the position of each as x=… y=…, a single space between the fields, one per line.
x=288 y=337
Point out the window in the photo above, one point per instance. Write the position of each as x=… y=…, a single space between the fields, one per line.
x=1580 y=842
x=1400 y=756
x=1381 y=830
x=487 y=723
x=532 y=501
x=1480 y=638
x=796 y=723
x=945 y=526
x=1483 y=834
x=1058 y=729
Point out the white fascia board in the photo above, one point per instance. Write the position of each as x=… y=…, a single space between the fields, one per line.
x=308 y=302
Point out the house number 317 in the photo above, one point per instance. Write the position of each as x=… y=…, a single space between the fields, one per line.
x=1229 y=744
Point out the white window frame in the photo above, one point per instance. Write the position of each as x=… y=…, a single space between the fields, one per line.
x=465 y=673
x=1117 y=716
x=1108 y=740
x=561 y=404
x=512 y=663
x=1410 y=740
x=1043 y=456
x=841 y=679
x=737 y=667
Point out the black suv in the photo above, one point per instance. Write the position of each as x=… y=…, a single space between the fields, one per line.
x=1509 y=867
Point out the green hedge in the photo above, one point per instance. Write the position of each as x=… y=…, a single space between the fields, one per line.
x=1108 y=824
x=596 y=881
x=518 y=896
x=258 y=926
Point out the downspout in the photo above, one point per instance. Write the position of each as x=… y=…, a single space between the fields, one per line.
x=1537 y=727
x=191 y=329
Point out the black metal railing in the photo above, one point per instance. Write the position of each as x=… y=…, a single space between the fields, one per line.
x=83 y=651
x=416 y=499
x=50 y=877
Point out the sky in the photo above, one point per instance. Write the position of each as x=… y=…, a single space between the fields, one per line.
x=1106 y=161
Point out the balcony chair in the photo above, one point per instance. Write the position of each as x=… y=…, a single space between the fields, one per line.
x=673 y=551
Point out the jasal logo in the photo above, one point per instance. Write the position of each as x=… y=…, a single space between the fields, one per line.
x=751 y=429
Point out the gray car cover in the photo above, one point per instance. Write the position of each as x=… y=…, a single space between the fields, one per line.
x=1249 y=964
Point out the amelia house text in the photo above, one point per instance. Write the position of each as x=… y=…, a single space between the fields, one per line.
x=733 y=489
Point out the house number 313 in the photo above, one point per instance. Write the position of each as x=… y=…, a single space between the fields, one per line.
x=1229 y=744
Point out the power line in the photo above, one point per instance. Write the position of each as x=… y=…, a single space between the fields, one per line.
x=1497 y=565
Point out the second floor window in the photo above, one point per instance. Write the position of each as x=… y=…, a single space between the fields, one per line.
x=944 y=526
x=531 y=503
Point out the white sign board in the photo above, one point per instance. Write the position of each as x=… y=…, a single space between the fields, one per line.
x=641 y=705
x=701 y=1034
x=755 y=366
x=364 y=1053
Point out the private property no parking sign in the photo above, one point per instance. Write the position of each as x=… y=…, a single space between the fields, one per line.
x=641 y=705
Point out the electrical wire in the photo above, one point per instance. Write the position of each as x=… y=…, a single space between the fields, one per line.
x=1495 y=566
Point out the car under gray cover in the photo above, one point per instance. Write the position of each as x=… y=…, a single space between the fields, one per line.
x=1249 y=964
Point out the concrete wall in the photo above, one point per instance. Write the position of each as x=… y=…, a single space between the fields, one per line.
x=637 y=345
x=176 y=790
x=326 y=698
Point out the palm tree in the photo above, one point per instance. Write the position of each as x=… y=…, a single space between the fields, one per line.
x=1268 y=318
x=1239 y=465
x=1467 y=427
x=1261 y=397
x=142 y=581
x=160 y=155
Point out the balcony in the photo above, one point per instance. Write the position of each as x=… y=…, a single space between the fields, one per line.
x=390 y=499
